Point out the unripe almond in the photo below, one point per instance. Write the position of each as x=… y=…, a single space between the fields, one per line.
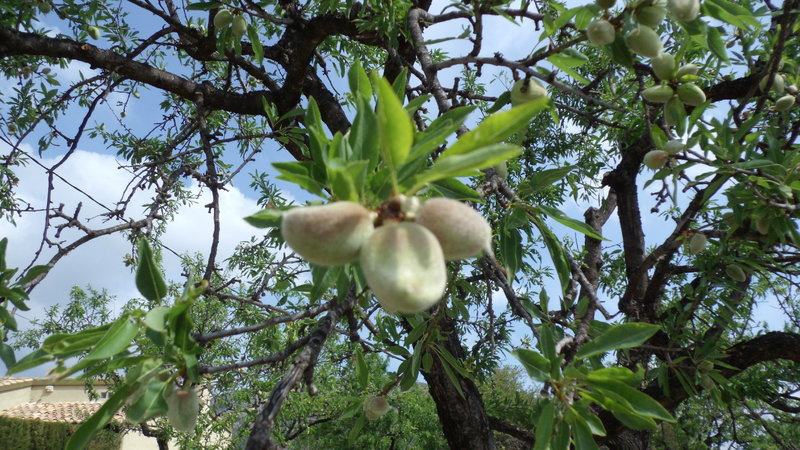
x=239 y=27
x=605 y=4
x=523 y=92
x=674 y=146
x=687 y=69
x=644 y=41
x=792 y=89
x=182 y=409
x=778 y=83
x=650 y=15
x=735 y=272
x=655 y=159
x=327 y=235
x=664 y=66
x=658 y=94
x=685 y=10
x=462 y=232
x=762 y=225
x=404 y=266
x=698 y=243
x=705 y=366
x=784 y=103
x=94 y=32
x=690 y=94
x=12 y=128
x=600 y=32
x=222 y=19
x=375 y=407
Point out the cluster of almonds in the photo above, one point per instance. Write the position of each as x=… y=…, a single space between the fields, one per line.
x=238 y=23
x=779 y=87
x=402 y=246
x=648 y=14
x=676 y=88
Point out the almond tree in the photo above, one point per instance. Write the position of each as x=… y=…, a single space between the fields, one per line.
x=676 y=113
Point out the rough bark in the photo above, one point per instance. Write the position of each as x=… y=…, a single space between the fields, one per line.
x=464 y=420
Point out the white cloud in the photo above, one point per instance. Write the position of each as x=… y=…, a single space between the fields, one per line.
x=100 y=262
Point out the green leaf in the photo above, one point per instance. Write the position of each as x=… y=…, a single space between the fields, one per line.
x=537 y=366
x=542 y=179
x=557 y=253
x=359 y=81
x=621 y=336
x=116 y=339
x=544 y=426
x=455 y=189
x=150 y=404
x=495 y=129
x=583 y=436
x=266 y=218
x=362 y=371
x=301 y=173
x=621 y=411
x=7 y=355
x=203 y=6
x=34 y=359
x=395 y=128
x=80 y=439
x=255 y=43
x=557 y=215
x=466 y=164
x=32 y=273
x=639 y=402
x=148 y=276
x=7 y=319
x=502 y=100
x=622 y=374
x=156 y=318
x=439 y=130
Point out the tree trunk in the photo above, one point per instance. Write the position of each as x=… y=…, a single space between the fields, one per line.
x=464 y=420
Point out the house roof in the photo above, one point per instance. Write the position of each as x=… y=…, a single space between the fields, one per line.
x=69 y=412
x=11 y=381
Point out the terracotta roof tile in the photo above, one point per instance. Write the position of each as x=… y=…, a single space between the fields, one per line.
x=70 y=412
x=10 y=381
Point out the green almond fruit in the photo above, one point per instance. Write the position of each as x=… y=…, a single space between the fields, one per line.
x=605 y=4
x=685 y=10
x=12 y=128
x=674 y=146
x=404 y=266
x=687 y=69
x=222 y=19
x=182 y=409
x=762 y=226
x=658 y=94
x=778 y=83
x=239 y=26
x=94 y=32
x=375 y=407
x=328 y=235
x=792 y=89
x=655 y=159
x=650 y=16
x=664 y=66
x=462 y=232
x=705 y=366
x=691 y=94
x=736 y=273
x=523 y=92
x=644 y=41
x=600 y=32
x=698 y=243
x=784 y=103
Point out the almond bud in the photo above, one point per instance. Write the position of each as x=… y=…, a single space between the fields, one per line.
x=784 y=103
x=690 y=94
x=664 y=66
x=644 y=41
x=685 y=10
x=462 y=232
x=698 y=243
x=375 y=407
x=327 y=235
x=404 y=266
x=523 y=92
x=658 y=94
x=600 y=32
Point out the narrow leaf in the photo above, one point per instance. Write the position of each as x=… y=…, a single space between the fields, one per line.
x=148 y=277
x=621 y=336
